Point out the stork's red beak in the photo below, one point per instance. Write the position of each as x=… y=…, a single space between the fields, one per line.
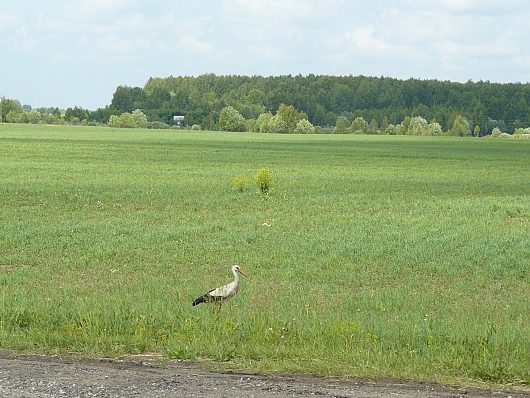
x=240 y=270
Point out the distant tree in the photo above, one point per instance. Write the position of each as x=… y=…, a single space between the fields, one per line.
x=155 y=98
x=518 y=124
x=460 y=127
x=13 y=116
x=125 y=120
x=262 y=122
x=50 y=118
x=434 y=128
x=290 y=116
x=359 y=125
x=252 y=125
x=319 y=117
x=9 y=105
x=114 y=121
x=417 y=126
x=23 y=117
x=231 y=120
x=56 y=112
x=34 y=116
x=496 y=132
x=522 y=133
x=373 y=128
x=403 y=127
x=255 y=96
x=126 y=99
x=211 y=101
x=122 y=99
x=277 y=125
x=77 y=113
x=323 y=98
x=330 y=119
x=391 y=129
x=100 y=115
x=304 y=127
x=492 y=123
x=385 y=123
x=341 y=125
x=140 y=120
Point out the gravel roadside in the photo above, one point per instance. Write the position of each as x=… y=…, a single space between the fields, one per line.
x=31 y=376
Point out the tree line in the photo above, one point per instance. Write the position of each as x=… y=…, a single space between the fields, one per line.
x=325 y=100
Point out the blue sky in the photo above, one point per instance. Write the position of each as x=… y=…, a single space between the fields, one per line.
x=65 y=52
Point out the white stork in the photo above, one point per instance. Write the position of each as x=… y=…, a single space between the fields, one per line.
x=223 y=293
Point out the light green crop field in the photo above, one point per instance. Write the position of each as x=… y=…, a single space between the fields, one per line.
x=373 y=256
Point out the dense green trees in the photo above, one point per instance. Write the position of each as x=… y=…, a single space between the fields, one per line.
x=287 y=120
x=231 y=120
x=136 y=119
x=460 y=127
x=7 y=106
x=367 y=105
x=381 y=101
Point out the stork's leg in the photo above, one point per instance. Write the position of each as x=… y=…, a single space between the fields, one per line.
x=218 y=307
x=215 y=307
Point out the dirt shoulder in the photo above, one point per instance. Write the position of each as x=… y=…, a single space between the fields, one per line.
x=150 y=376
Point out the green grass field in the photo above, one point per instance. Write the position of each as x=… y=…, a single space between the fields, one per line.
x=385 y=256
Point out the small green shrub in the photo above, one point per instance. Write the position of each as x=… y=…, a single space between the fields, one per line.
x=157 y=125
x=126 y=120
x=520 y=133
x=496 y=132
x=195 y=127
x=304 y=127
x=263 y=179
x=240 y=182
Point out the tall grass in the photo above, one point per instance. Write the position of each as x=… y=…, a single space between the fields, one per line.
x=373 y=256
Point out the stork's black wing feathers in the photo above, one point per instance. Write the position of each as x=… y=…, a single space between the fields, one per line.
x=202 y=299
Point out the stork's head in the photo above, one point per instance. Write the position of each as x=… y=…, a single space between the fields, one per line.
x=238 y=269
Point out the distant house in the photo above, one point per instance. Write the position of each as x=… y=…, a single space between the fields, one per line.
x=178 y=119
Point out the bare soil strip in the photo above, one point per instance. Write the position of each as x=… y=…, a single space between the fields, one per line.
x=149 y=376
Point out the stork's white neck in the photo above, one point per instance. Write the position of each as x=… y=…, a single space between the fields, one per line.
x=236 y=275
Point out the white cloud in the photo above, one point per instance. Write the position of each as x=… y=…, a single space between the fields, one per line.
x=421 y=26
x=131 y=40
x=438 y=37
x=457 y=5
x=478 y=50
x=117 y=44
x=270 y=8
x=8 y=20
x=95 y=7
x=196 y=45
x=366 y=41
x=522 y=61
x=282 y=10
x=476 y=7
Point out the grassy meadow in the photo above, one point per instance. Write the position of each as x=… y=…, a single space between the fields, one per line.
x=372 y=256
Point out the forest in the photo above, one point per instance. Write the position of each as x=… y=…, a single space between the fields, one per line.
x=379 y=100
